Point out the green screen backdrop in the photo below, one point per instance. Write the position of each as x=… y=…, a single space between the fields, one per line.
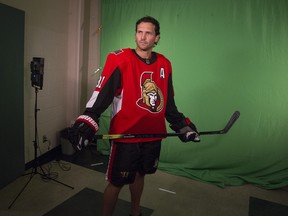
x=226 y=55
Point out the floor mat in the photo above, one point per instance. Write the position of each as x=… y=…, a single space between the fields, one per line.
x=89 y=202
x=259 y=207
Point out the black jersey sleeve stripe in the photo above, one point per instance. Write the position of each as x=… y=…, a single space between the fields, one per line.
x=105 y=96
x=172 y=114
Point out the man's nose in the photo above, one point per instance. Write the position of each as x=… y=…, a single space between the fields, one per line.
x=143 y=36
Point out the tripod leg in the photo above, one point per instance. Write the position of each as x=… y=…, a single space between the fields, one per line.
x=34 y=172
x=47 y=177
x=21 y=191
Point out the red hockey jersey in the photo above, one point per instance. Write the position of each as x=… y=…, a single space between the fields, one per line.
x=140 y=92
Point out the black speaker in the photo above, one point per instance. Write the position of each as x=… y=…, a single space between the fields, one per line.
x=37 y=72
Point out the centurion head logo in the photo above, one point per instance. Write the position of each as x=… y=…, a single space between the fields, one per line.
x=152 y=97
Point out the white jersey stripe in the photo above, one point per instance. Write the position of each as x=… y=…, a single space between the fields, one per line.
x=92 y=100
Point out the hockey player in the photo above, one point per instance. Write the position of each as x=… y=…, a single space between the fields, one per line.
x=138 y=84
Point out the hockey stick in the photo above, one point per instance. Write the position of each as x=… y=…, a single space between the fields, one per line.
x=230 y=123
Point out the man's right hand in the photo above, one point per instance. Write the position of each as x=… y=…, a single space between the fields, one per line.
x=82 y=132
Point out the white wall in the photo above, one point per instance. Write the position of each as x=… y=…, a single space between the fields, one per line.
x=54 y=30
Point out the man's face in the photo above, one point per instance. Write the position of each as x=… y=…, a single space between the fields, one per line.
x=145 y=36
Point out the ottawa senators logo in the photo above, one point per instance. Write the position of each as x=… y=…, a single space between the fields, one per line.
x=152 y=97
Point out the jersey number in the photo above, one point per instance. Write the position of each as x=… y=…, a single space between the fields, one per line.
x=100 y=81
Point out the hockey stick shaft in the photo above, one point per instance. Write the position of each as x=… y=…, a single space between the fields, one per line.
x=230 y=123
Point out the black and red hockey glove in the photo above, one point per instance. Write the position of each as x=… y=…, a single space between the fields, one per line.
x=82 y=132
x=188 y=129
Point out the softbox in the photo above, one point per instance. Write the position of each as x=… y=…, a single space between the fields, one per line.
x=37 y=72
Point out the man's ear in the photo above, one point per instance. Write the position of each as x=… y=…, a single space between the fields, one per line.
x=157 y=39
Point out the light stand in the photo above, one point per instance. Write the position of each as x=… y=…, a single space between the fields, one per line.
x=36 y=159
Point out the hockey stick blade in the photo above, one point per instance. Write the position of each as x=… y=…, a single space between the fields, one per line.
x=230 y=123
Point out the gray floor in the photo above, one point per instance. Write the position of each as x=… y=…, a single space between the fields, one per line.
x=164 y=193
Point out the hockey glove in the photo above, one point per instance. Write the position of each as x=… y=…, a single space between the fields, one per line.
x=188 y=129
x=82 y=132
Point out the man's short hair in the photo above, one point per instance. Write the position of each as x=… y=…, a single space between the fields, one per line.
x=150 y=20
